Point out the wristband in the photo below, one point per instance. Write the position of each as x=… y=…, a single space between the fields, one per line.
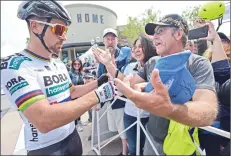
x=102 y=79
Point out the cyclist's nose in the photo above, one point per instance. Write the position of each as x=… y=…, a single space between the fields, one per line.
x=64 y=37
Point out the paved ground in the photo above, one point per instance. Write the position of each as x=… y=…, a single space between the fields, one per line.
x=5 y=105
x=12 y=137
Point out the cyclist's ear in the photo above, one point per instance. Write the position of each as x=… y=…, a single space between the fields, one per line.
x=35 y=27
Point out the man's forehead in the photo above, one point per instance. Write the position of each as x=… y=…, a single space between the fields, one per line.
x=110 y=35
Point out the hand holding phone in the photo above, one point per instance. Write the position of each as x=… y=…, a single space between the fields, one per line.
x=207 y=32
x=197 y=33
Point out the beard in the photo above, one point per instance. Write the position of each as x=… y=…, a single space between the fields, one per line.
x=56 y=49
x=111 y=49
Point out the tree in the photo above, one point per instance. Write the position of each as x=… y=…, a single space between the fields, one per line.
x=190 y=14
x=150 y=16
x=136 y=25
x=132 y=29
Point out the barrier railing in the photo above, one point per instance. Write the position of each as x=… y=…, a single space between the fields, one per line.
x=139 y=124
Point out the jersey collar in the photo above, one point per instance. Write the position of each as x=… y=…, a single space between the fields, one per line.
x=36 y=56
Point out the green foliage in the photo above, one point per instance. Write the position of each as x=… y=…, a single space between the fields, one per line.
x=190 y=14
x=135 y=26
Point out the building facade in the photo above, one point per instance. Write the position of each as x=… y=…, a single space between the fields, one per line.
x=88 y=22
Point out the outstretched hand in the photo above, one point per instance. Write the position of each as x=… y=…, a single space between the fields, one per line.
x=156 y=102
x=101 y=55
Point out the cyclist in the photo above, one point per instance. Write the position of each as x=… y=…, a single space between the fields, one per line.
x=39 y=86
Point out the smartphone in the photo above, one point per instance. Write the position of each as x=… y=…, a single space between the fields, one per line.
x=198 y=33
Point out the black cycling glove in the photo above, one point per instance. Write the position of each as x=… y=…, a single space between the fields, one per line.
x=102 y=79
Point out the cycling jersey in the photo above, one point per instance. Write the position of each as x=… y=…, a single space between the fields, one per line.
x=27 y=78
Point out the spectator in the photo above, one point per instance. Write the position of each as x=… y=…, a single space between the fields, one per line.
x=191 y=46
x=115 y=113
x=220 y=61
x=76 y=75
x=86 y=62
x=143 y=50
x=226 y=44
x=170 y=37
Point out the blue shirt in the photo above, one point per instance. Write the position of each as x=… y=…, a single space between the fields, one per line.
x=76 y=78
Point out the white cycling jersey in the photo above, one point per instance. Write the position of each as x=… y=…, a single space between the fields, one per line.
x=27 y=78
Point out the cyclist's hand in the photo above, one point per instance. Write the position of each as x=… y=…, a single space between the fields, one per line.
x=105 y=92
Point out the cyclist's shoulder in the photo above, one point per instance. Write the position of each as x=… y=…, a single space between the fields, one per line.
x=15 y=61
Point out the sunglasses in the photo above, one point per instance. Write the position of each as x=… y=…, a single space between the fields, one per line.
x=57 y=29
x=77 y=64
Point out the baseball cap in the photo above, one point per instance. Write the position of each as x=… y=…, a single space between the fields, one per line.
x=223 y=36
x=110 y=30
x=176 y=77
x=172 y=20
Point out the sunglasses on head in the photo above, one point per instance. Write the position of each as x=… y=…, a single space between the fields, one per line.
x=57 y=29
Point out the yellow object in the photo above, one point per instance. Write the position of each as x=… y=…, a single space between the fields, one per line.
x=212 y=10
x=178 y=141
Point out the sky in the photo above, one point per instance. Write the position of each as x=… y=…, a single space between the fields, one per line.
x=14 y=31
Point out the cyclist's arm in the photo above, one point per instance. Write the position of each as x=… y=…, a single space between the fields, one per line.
x=46 y=117
x=80 y=90
x=22 y=88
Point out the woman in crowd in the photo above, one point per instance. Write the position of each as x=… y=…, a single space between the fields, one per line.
x=190 y=45
x=219 y=55
x=76 y=75
x=143 y=49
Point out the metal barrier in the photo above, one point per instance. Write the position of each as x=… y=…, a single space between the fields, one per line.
x=139 y=124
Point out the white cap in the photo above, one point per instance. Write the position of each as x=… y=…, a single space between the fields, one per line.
x=110 y=30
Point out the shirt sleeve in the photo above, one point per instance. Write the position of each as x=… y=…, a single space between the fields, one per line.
x=100 y=70
x=221 y=71
x=21 y=87
x=202 y=72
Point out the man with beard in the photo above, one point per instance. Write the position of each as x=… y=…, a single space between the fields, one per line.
x=116 y=112
x=170 y=37
x=39 y=86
